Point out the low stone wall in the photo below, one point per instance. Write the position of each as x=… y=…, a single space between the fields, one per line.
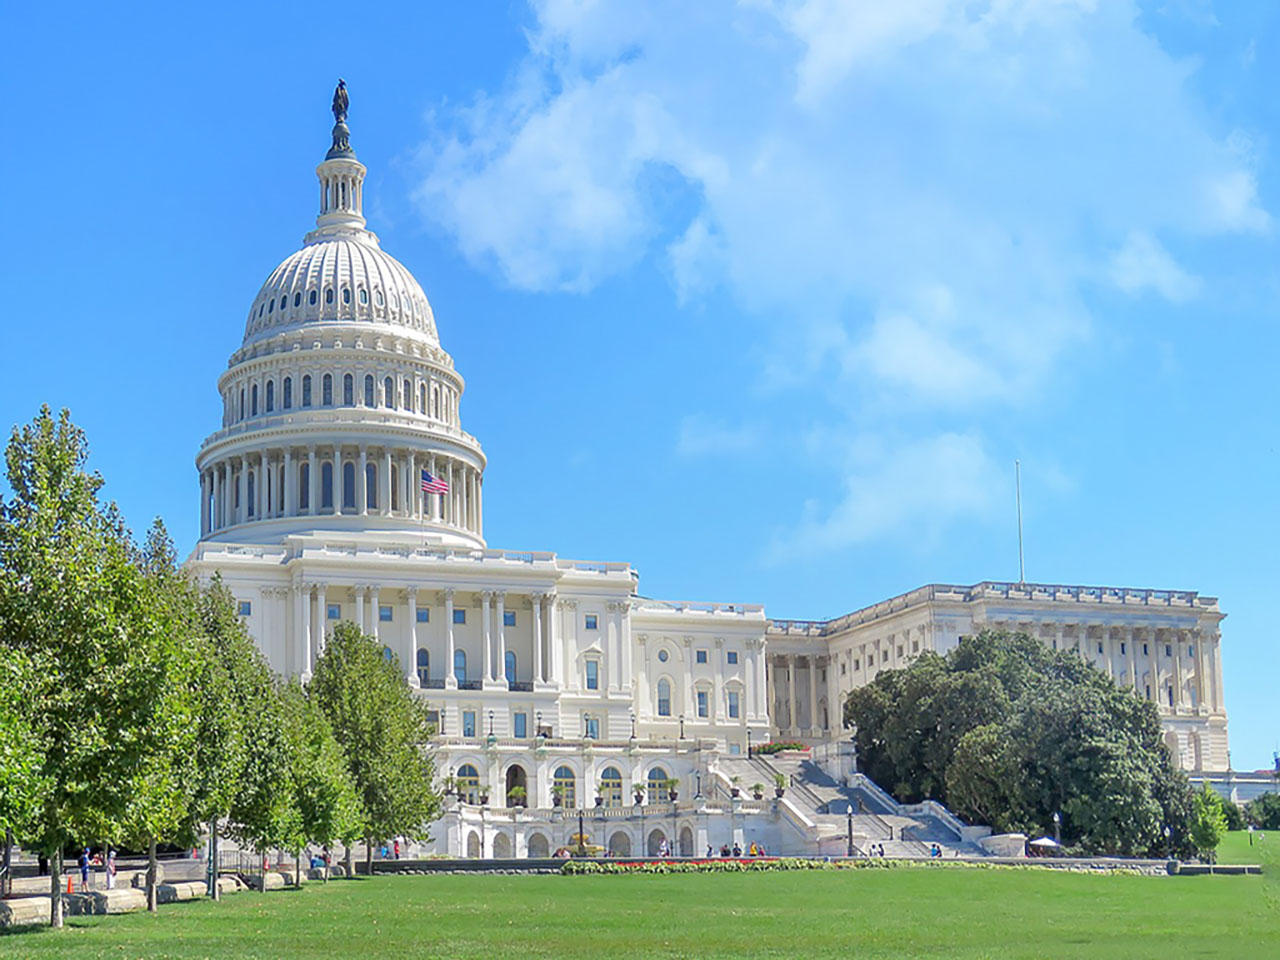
x=27 y=911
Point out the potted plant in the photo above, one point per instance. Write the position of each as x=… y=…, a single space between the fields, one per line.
x=557 y=796
x=779 y=784
x=673 y=789
x=639 y=793
x=516 y=797
x=757 y=791
x=600 y=795
x=450 y=785
x=736 y=789
x=483 y=790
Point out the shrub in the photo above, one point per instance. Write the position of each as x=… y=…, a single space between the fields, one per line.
x=778 y=746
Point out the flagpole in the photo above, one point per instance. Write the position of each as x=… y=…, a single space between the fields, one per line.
x=1017 y=481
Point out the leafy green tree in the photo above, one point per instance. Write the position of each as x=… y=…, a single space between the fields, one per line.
x=1209 y=823
x=1234 y=816
x=325 y=798
x=1009 y=732
x=22 y=782
x=1264 y=811
x=383 y=730
x=71 y=589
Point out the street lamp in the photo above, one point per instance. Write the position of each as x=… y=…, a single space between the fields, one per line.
x=1057 y=827
x=748 y=743
x=697 y=794
x=538 y=720
x=633 y=725
x=491 y=723
x=682 y=726
x=582 y=840
x=849 y=845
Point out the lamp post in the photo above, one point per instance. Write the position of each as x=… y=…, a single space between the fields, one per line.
x=491 y=723
x=748 y=743
x=633 y=725
x=1168 y=849
x=538 y=720
x=682 y=726
x=1057 y=827
x=849 y=844
x=582 y=840
x=697 y=794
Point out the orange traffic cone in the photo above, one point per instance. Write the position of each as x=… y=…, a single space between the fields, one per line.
x=68 y=883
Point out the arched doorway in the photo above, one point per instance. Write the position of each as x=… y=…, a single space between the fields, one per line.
x=502 y=847
x=539 y=846
x=473 y=845
x=686 y=842
x=620 y=845
x=654 y=844
x=516 y=777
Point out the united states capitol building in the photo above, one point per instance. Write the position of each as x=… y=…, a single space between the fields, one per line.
x=556 y=686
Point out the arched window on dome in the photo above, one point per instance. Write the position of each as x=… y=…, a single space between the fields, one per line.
x=249 y=491
x=253 y=401
x=348 y=486
x=346 y=294
x=312 y=297
x=377 y=294
x=368 y=390
x=286 y=390
x=297 y=299
x=328 y=295
x=271 y=305
x=306 y=389
x=435 y=402
x=284 y=301
x=326 y=390
x=389 y=393
x=326 y=486
x=261 y=307
x=424 y=666
x=304 y=486
x=422 y=399
x=406 y=395
x=364 y=295
x=371 y=486
x=242 y=403
x=348 y=390
x=271 y=395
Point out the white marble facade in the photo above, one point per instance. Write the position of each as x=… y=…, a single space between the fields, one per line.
x=341 y=395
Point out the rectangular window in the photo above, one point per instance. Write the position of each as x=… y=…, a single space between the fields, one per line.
x=1099 y=646
x=592 y=623
x=384 y=614
x=459 y=616
x=508 y=618
x=424 y=615
x=857 y=664
x=593 y=727
x=915 y=648
x=1146 y=653
x=899 y=649
x=334 y=612
x=702 y=703
x=700 y=656
x=520 y=724
x=1124 y=648
x=468 y=723
x=246 y=608
x=734 y=707
x=1191 y=650
x=1148 y=691
x=1168 y=650
x=844 y=669
x=733 y=657
x=593 y=675
x=1171 y=696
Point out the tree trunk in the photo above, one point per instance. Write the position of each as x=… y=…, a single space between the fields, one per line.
x=348 y=858
x=153 y=902
x=214 y=863
x=368 y=858
x=7 y=887
x=55 y=891
x=297 y=869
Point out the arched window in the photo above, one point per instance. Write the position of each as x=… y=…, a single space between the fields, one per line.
x=388 y=393
x=271 y=305
x=284 y=301
x=424 y=666
x=242 y=403
x=311 y=298
x=297 y=299
x=253 y=400
x=435 y=403
x=286 y=388
x=664 y=697
x=368 y=390
x=460 y=665
x=346 y=294
x=306 y=390
x=395 y=491
x=371 y=486
x=304 y=486
x=378 y=295
x=565 y=786
x=364 y=295
x=657 y=783
x=250 y=490
x=328 y=295
x=271 y=395
x=406 y=395
x=326 y=486
x=348 y=390
x=348 y=486
x=326 y=390
x=510 y=666
x=422 y=399
x=611 y=786
x=467 y=780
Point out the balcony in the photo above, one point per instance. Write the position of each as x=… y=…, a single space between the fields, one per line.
x=523 y=686
x=470 y=685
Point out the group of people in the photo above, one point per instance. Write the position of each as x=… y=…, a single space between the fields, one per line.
x=753 y=850
x=88 y=862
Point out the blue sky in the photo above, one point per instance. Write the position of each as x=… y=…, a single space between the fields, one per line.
x=765 y=298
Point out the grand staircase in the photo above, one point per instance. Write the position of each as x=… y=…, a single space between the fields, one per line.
x=879 y=821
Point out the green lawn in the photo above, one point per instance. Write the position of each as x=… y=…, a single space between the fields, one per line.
x=864 y=913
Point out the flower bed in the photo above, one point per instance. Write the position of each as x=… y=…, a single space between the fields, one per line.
x=778 y=747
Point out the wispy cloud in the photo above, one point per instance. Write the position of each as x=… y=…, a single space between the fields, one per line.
x=1142 y=264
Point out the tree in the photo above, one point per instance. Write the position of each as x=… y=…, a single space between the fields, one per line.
x=71 y=588
x=324 y=796
x=1264 y=811
x=1209 y=823
x=1009 y=732
x=22 y=782
x=383 y=730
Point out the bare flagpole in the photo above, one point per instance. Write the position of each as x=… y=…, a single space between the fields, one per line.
x=1017 y=482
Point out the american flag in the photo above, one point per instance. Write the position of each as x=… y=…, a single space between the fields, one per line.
x=432 y=484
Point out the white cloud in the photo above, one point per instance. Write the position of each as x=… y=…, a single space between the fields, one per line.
x=701 y=436
x=1142 y=264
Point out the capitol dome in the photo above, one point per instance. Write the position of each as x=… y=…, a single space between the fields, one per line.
x=341 y=410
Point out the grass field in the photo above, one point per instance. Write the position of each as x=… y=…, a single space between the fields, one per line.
x=865 y=913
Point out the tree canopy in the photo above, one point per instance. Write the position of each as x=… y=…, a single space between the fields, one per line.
x=1007 y=732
